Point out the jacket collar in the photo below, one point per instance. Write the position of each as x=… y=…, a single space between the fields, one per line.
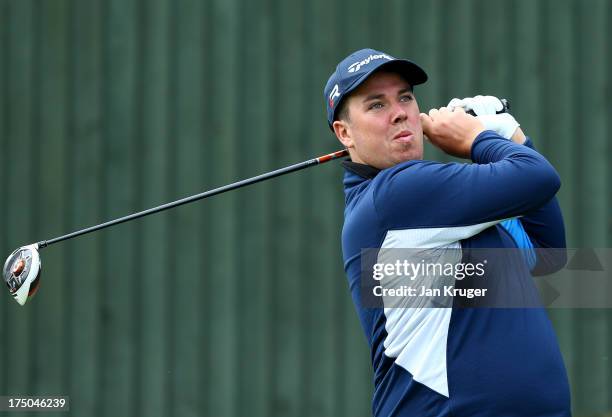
x=355 y=176
x=363 y=170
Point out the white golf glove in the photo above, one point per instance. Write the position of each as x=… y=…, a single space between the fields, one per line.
x=486 y=108
x=480 y=105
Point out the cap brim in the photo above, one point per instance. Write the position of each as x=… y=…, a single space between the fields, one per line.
x=409 y=70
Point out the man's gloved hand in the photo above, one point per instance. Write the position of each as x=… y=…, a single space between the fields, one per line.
x=486 y=108
x=481 y=105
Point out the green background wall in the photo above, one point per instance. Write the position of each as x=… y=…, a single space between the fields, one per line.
x=238 y=306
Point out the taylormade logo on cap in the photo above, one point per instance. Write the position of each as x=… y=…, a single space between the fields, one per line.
x=334 y=93
x=357 y=65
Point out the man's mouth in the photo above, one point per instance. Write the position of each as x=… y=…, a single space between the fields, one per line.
x=403 y=136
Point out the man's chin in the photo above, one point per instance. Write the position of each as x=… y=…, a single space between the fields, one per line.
x=409 y=155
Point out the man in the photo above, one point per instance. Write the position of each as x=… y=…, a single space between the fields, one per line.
x=446 y=361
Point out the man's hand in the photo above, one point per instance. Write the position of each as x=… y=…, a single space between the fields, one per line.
x=480 y=105
x=452 y=131
x=486 y=109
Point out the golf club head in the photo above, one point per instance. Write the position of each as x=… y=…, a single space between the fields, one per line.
x=21 y=272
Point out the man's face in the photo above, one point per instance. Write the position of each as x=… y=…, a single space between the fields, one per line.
x=383 y=126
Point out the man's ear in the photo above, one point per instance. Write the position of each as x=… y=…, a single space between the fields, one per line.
x=343 y=133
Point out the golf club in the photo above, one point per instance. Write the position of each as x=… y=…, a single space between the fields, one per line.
x=22 y=268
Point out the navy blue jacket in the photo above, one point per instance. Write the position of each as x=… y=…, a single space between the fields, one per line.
x=461 y=361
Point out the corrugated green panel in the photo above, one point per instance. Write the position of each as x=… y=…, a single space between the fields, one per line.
x=155 y=143
x=4 y=169
x=19 y=335
x=460 y=56
x=554 y=69
x=120 y=263
x=85 y=264
x=189 y=312
x=155 y=148
x=323 y=291
x=288 y=342
x=254 y=363
x=224 y=133
x=594 y=391
x=239 y=305
x=607 y=220
x=51 y=132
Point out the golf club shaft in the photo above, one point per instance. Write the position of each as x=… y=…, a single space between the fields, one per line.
x=206 y=194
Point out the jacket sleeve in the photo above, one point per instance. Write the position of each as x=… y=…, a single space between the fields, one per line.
x=546 y=230
x=427 y=194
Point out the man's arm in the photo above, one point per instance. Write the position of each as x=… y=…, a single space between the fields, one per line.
x=541 y=228
x=545 y=228
x=429 y=194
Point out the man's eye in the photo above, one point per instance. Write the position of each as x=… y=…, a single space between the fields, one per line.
x=406 y=98
x=376 y=105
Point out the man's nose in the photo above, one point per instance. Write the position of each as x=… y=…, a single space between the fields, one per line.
x=399 y=114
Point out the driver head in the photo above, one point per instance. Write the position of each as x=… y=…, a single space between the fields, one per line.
x=21 y=272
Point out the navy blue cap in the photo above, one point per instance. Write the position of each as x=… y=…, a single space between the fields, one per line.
x=356 y=68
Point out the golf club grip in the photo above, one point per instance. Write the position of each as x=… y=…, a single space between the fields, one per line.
x=505 y=103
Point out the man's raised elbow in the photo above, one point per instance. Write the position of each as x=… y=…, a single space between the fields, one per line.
x=556 y=181
x=549 y=182
x=553 y=179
